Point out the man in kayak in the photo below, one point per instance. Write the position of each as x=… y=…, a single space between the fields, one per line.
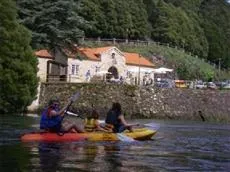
x=115 y=120
x=52 y=117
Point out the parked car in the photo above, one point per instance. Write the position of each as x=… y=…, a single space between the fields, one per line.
x=180 y=84
x=220 y=84
x=200 y=85
x=227 y=86
x=164 y=83
x=211 y=85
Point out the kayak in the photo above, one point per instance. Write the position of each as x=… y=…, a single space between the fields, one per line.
x=137 y=134
x=52 y=137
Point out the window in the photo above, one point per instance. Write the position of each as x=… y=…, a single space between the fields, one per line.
x=97 y=69
x=114 y=61
x=113 y=55
x=75 y=69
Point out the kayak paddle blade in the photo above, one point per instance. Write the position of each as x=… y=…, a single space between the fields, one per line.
x=124 y=138
x=153 y=126
x=75 y=97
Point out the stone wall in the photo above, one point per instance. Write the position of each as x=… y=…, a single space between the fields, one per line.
x=147 y=102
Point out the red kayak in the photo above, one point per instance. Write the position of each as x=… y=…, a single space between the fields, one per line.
x=52 y=137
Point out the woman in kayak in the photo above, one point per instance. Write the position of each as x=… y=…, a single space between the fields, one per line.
x=92 y=123
x=52 y=116
x=115 y=120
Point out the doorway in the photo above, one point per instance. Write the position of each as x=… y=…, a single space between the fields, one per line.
x=114 y=73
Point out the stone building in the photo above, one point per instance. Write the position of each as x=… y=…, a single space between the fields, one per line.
x=93 y=64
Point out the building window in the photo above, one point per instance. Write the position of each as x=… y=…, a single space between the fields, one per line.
x=75 y=69
x=114 y=61
x=113 y=55
x=97 y=69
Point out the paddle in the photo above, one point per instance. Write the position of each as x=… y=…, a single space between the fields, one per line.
x=73 y=114
x=120 y=136
x=73 y=98
x=152 y=126
x=149 y=125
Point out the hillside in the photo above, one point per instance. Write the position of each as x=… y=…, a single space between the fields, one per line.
x=198 y=26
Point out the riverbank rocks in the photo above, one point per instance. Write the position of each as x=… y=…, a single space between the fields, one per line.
x=143 y=102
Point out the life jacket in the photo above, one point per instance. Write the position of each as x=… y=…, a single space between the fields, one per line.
x=50 y=123
x=112 y=121
x=90 y=124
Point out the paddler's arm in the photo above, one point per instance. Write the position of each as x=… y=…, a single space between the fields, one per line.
x=123 y=121
x=99 y=128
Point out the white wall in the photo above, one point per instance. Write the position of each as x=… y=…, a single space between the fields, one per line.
x=104 y=65
x=42 y=69
x=84 y=66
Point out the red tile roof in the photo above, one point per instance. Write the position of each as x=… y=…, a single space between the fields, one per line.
x=136 y=59
x=131 y=58
x=44 y=54
x=93 y=53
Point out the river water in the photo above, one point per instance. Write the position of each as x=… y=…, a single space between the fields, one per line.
x=177 y=146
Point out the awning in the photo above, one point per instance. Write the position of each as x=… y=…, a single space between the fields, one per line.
x=162 y=70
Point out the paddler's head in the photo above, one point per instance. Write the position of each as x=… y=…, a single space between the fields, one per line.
x=116 y=107
x=54 y=102
x=95 y=114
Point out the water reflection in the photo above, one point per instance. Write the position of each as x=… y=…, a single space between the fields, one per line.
x=84 y=156
x=178 y=146
x=49 y=156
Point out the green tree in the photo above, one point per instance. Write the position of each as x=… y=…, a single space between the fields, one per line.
x=18 y=66
x=216 y=23
x=54 y=23
x=173 y=25
x=120 y=19
x=214 y=19
x=92 y=12
x=139 y=18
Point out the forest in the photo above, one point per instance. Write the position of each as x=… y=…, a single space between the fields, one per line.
x=201 y=27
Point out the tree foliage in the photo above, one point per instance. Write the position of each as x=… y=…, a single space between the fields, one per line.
x=120 y=19
x=214 y=19
x=54 y=23
x=18 y=66
x=199 y=26
x=216 y=23
x=173 y=25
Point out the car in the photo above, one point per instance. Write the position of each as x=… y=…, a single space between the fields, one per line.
x=200 y=85
x=227 y=86
x=164 y=83
x=211 y=85
x=220 y=84
x=180 y=84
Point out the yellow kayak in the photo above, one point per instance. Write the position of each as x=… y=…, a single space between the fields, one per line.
x=137 y=134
